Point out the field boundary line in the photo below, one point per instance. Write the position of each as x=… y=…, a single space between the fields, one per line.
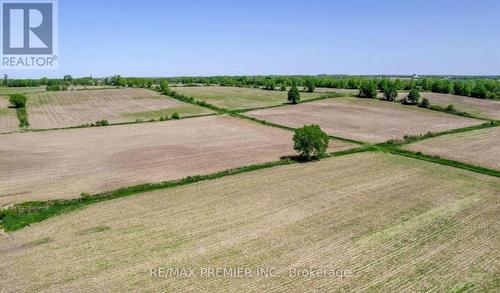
x=446 y=162
x=324 y=96
x=410 y=139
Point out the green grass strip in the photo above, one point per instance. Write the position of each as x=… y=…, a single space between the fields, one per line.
x=322 y=97
x=22 y=116
x=446 y=162
x=408 y=139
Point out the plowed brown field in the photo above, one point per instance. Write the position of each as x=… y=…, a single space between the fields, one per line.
x=392 y=224
x=64 y=163
x=479 y=147
x=74 y=108
x=8 y=118
x=366 y=120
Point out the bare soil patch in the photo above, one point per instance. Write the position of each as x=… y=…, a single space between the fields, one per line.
x=366 y=120
x=74 y=108
x=479 y=147
x=396 y=224
x=65 y=163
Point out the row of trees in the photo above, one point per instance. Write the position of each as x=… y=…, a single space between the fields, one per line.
x=67 y=80
x=474 y=87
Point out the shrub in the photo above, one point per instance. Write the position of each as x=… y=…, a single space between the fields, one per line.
x=294 y=95
x=413 y=97
x=176 y=116
x=85 y=195
x=390 y=93
x=103 y=122
x=17 y=100
x=368 y=90
x=424 y=103
x=450 y=109
x=436 y=108
x=310 y=141
x=164 y=87
x=310 y=86
x=283 y=87
x=269 y=85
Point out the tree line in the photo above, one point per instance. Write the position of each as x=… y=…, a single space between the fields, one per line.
x=483 y=88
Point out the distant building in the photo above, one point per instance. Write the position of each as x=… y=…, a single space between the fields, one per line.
x=415 y=76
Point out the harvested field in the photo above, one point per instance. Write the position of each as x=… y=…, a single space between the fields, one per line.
x=64 y=163
x=8 y=118
x=477 y=107
x=479 y=147
x=366 y=120
x=426 y=227
x=239 y=98
x=74 y=108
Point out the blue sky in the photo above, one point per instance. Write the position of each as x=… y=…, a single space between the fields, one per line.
x=173 y=38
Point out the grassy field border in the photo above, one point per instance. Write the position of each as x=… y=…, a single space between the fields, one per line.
x=22 y=116
x=446 y=162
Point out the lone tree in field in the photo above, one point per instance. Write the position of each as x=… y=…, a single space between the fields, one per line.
x=310 y=141
x=390 y=93
x=368 y=90
x=310 y=86
x=294 y=95
x=413 y=97
x=17 y=100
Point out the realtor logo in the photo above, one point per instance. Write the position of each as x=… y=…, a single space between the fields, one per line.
x=29 y=34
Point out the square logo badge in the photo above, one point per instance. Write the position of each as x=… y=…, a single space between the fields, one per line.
x=29 y=34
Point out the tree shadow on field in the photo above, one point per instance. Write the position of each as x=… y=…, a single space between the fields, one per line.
x=299 y=159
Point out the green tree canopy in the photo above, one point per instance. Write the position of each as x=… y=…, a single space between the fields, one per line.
x=294 y=95
x=310 y=86
x=390 y=93
x=17 y=100
x=310 y=141
x=413 y=97
x=368 y=89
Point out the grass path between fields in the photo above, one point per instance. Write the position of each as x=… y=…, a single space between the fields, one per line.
x=24 y=214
